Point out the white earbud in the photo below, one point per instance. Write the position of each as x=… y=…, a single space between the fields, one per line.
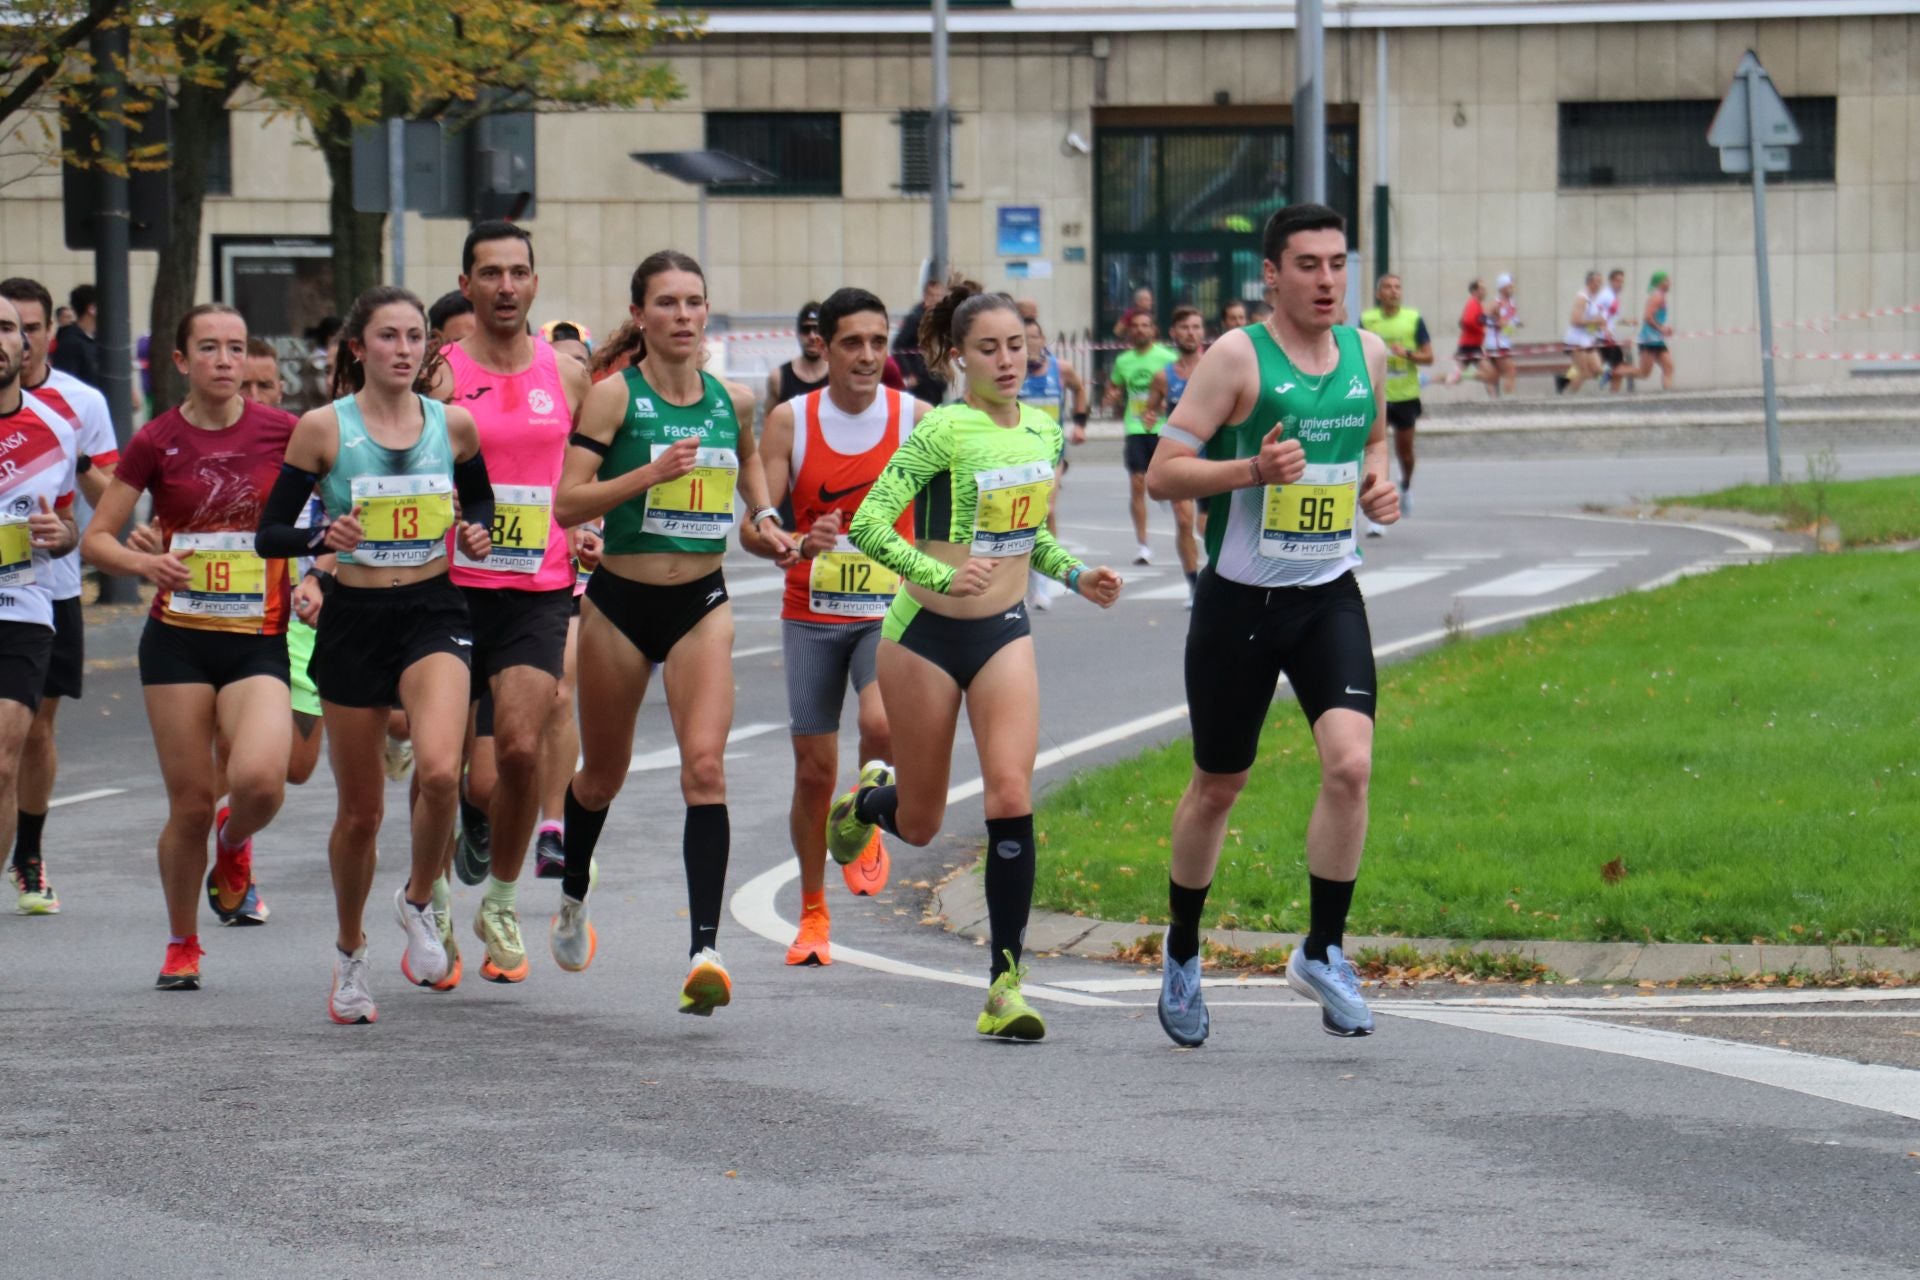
x=960 y=362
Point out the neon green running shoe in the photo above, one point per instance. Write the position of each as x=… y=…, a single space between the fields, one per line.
x=1008 y=1016
x=847 y=836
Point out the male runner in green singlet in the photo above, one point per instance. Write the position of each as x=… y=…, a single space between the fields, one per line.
x=1282 y=431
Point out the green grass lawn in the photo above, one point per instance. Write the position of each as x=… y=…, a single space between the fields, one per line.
x=1867 y=512
x=1746 y=744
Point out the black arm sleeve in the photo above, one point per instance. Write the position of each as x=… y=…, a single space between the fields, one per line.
x=277 y=538
x=475 y=490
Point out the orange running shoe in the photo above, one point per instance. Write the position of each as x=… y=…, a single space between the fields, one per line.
x=867 y=874
x=812 y=947
x=181 y=969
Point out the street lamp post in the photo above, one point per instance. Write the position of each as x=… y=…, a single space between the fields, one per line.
x=700 y=169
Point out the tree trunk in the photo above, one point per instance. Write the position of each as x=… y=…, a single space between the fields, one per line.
x=196 y=113
x=357 y=237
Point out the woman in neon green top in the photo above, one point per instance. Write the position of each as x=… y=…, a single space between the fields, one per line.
x=958 y=630
x=660 y=450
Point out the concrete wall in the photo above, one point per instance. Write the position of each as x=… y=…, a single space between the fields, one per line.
x=1474 y=171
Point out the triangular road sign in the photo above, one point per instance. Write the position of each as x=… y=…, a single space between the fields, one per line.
x=1730 y=127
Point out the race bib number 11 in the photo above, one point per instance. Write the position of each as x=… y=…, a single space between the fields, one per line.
x=1312 y=519
x=698 y=504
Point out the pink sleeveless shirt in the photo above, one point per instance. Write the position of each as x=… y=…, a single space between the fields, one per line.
x=524 y=423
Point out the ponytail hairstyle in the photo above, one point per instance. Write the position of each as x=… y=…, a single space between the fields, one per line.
x=944 y=327
x=349 y=374
x=627 y=345
x=183 y=332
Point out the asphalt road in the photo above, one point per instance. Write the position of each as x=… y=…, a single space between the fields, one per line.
x=846 y=1121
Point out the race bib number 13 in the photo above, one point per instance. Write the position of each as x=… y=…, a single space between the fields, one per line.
x=403 y=519
x=229 y=580
x=522 y=523
x=16 y=552
x=698 y=504
x=1313 y=519
x=1013 y=506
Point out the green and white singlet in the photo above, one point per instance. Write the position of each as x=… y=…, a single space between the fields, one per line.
x=694 y=513
x=1300 y=534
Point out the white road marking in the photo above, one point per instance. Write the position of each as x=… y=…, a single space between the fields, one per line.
x=1877 y=1088
x=669 y=757
x=755 y=587
x=1615 y=555
x=1752 y=541
x=1178 y=591
x=1531 y=582
x=1640 y=999
x=101 y=794
x=756 y=651
x=1464 y=555
x=1375 y=583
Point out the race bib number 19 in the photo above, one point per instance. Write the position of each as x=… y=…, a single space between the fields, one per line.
x=1013 y=506
x=403 y=519
x=698 y=504
x=16 y=552
x=522 y=522
x=229 y=580
x=1313 y=519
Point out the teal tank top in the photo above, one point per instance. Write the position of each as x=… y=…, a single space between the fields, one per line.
x=694 y=513
x=1298 y=534
x=405 y=495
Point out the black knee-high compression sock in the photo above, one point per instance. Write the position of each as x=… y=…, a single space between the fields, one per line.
x=878 y=804
x=472 y=816
x=26 y=838
x=1184 y=907
x=1010 y=863
x=579 y=838
x=704 y=848
x=1327 y=905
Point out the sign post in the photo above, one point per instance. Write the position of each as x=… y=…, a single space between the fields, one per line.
x=1754 y=131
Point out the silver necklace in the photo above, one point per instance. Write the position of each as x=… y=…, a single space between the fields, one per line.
x=1273 y=332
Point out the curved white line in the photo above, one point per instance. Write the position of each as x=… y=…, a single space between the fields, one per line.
x=1751 y=541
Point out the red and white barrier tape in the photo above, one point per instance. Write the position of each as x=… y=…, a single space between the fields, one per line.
x=1893 y=356
x=1817 y=324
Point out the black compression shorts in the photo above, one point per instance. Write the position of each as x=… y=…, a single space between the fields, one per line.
x=369 y=636
x=1240 y=642
x=189 y=655
x=1139 y=452
x=1402 y=414
x=67 y=667
x=655 y=618
x=25 y=648
x=517 y=629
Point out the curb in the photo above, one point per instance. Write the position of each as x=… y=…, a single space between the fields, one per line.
x=960 y=902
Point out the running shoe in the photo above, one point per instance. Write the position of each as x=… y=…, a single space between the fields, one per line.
x=812 y=945
x=1008 y=1016
x=1376 y=530
x=499 y=928
x=867 y=874
x=399 y=758
x=450 y=945
x=473 y=851
x=351 y=1001
x=36 y=895
x=180 y=971
x=1406 y=502
x=1335 y=987
x=1144 y=555
x=707 y=986
x=571 y=936
x=1183 y=1009
x=847 y=836
x=231 y=891
x=549 y=856
x=424 y=961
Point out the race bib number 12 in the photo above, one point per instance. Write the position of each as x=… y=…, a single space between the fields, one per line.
x=1013 y=506
x=1312 y=519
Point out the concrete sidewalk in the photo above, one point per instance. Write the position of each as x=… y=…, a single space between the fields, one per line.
x=961 y=903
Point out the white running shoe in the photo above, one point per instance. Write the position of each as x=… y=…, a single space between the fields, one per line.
x=571 y=936
x=399 y=758
x=351 y=1002
x=424 y=962
x=1406 y=502
x=1376 y=530
x=707 y=986
x=1144 y=555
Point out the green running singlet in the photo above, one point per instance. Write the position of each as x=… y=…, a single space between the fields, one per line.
x=694 y=513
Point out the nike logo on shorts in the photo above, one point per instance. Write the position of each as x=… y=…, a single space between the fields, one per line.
x=830 y=496
x=1364 y=693
x=463 y=641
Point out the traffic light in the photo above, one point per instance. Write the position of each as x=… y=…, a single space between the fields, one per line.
x=485 y=170
x=149 y=189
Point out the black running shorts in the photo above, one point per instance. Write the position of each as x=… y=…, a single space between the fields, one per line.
x=1243 y=639
x=25 y=648
x=369 y=636
x=68 y=665
x=1402 y=414
x=188 y=655
x=1139 y=452
x=655 y=618
x=517 y=629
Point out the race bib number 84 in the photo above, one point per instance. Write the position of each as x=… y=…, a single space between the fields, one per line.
x=698 y=504
x=522 y=523
x=1312 y=519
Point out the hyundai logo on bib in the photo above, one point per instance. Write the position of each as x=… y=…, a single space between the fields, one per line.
x=539 y=401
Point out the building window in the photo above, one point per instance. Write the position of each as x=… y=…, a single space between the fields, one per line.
x=801 y=149
x=916 y=158
x=1664 y=144
x=220 y=157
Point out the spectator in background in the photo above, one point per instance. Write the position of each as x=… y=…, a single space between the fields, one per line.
x=1233 y=316
x=1142 y=306
x=569 y=338
x=260 y=374
x=62 y=317
x=1259 y=311
x=806 y=371
x=75 y=348
x=914 y=374
x=450 y=319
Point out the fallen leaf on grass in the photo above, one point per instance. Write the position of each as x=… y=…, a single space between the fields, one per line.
x=1614 y=872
